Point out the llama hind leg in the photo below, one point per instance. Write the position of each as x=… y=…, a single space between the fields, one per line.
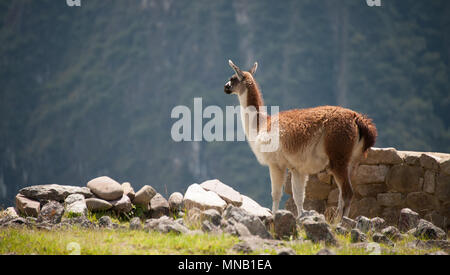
x=342 y=179
x=298 y=190
x=277 y=175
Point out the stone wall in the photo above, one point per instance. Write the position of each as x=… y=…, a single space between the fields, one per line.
x=385 y=182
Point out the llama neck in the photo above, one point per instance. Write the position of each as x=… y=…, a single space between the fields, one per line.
x=252 y=101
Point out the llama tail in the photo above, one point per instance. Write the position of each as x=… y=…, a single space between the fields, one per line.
x=367 y=130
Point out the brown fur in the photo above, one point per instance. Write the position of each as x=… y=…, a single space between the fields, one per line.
x=339 y=128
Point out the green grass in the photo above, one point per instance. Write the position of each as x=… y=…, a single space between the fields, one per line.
x=125 y=242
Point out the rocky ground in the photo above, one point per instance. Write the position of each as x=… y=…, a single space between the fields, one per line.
x=215 y=209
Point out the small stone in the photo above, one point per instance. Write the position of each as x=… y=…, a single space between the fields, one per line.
x=73 y=198
x=105 y=222
x=325 y=251
x=75 y=204
x=284 y=224
x=105 y=188
x=128 y=190
x=135 y=224
x=122 y=205
x=27 y=206
x=408 y=220
x=363 y=224
x=144 y=196
x=176 y=202
x=392 y=233
x=381 y=238
x=341 y=230
x=159 y=206
x=96 y=204
x=348 y=223
x=11 y=212
x=286 y=251
x=357 y=236
x=165 y=225
x=378 y=224
x=213 y=216
x=318 y=231
x=51 y=212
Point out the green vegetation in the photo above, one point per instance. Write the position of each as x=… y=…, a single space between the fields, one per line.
x=88 y=91
x=104 y=241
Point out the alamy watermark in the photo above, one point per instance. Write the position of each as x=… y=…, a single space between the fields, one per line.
x=252 y=124
x=373 y=3
x=73 y=3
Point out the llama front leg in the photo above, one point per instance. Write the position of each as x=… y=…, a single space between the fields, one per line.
x=298 y=182
x=277 y=181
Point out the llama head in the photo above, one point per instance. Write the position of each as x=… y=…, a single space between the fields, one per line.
x=240 y=80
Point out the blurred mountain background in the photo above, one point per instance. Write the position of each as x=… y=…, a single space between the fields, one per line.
x=88 y=91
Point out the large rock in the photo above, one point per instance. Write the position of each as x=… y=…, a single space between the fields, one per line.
x=429 y=161
x=404 y=178
x=224 y=191
x=105 y=188
x=427 y=230
x=285 y=225
x=421 y=201
x=27 y=207
x=317 y=190
x=390 y=199
x=290 y=206
x=318 y=231
x=144 y=196
x=122 y=205
x=443 y=187
x=198 y=197
x=382 y=156
x=76 y=205
x=51 y=212
x=54 y=192
x=370 y=190
x=308 y=204
x=96 y=204
x=159 y=206
x=128 y=190
x=429 y=182
x=348 y=223
x=333 y=197
x=254 y=208
x=176 y=202
x=368 y=207
x=445 y=166
x=370 y=174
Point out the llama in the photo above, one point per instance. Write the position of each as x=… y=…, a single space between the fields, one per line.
x=311 y=140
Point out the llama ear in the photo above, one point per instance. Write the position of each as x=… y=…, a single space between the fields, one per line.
x=254 y=68
x=238 y=71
